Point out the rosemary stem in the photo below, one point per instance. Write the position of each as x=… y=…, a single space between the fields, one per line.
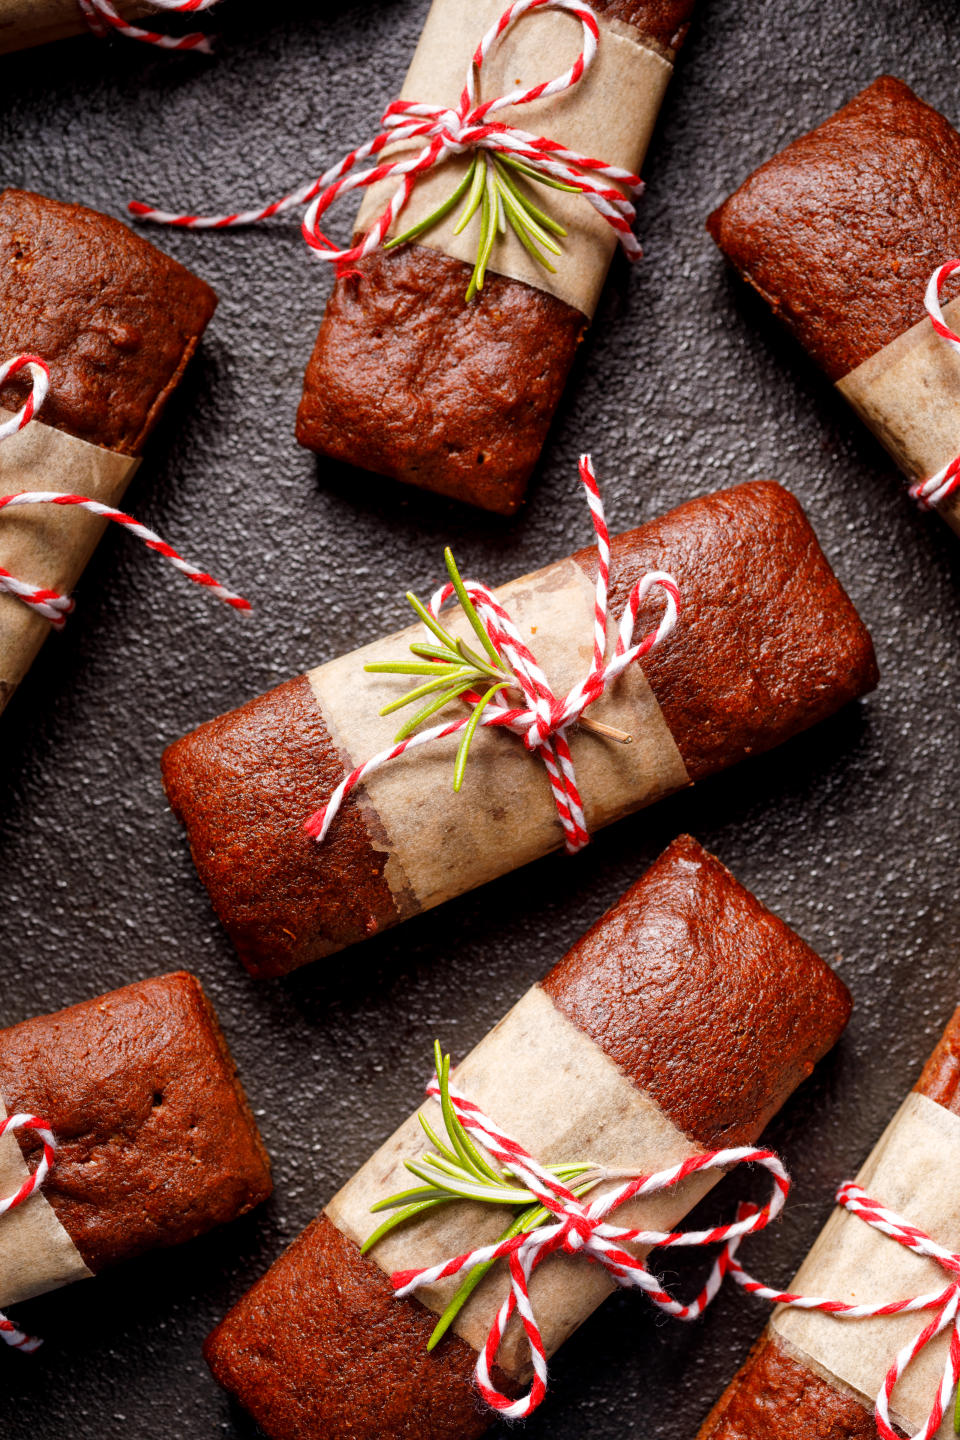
x=609 y=732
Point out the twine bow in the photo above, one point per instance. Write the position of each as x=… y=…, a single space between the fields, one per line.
x=581 y=1227
x=8 y=1331
x=49 y=603
x=944 y=1303
x=938 y=488
x=442 y=132
x=102 y=17
x=543 y=720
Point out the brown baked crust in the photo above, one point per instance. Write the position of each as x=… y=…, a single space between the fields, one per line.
x=282 y=898
x=116 y=319
x=409 y=381
x=842 y=230
x=695 y=952
x=774 y=1395
x=768 y=644
x=320 y=1350
x=665 y=22
x=156 y=1141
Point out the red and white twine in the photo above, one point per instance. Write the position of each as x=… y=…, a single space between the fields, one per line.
x=49 y=603
x=543 y=719
x=581 y=1227
x=938 y=488
x=8 y=1331
x=945 y=1304
x=441 y=132
x=102 y=17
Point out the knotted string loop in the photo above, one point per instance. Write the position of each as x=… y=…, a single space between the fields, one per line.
x=50 y=603
x=439 y=132
x=543 y=720
x=582 y=1227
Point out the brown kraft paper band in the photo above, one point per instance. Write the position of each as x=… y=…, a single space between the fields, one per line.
x=42 y=544
x=440 y=844
x=34 y=22
x=552 y=1088
x=908 y=393
x=609 y=115
x=36 y=1253
x=913 y=1171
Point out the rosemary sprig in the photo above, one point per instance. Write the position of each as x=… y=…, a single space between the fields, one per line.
x=459 y=1170
x=956 y=1414
x=451 y=668
x=491 y=187
x=454 y=668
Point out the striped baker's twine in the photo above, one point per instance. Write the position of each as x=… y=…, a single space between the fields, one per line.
x=543 y=720
x=944 y=1303
x=440 y=132
x=8 y=1331
x=49 y=603
x=581 y=1228
x=932 y=492
x=102 y=17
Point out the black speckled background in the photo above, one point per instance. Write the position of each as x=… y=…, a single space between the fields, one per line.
x=684 y=385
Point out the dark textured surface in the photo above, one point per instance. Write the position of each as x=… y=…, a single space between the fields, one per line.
x=684 y=384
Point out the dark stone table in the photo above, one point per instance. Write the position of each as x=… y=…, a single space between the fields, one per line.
x=684 y=385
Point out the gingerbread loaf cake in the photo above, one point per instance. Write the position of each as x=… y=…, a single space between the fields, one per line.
x=767 y=644
x=117 y=322
x=156 y=1142
x=776 y=1396
x=656 y=991
x=840 y=234
x=409 y=381
x=115 y=318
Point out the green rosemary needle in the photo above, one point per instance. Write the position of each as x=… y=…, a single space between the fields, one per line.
x=459 y=1170
x=491 y=188
x=956 y=1414
x=450 y=668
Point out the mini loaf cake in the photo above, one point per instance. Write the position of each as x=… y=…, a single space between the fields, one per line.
x=156 y=1143
x=116 y=320
x=767 y=645
x=777 y=1397
x=409 y=381
x=841 y=233
x=320 y=1349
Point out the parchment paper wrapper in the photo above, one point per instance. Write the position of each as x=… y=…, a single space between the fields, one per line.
x=47 y=545
x=440 y=844
x=36 y=1253
x=550 y=1087
x=33 y=22
x=909 y=395
x=913 y=1170
x=609 y=116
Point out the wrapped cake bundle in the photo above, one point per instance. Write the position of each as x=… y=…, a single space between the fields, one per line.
x=841 y=234
x=408 y=378
x=766 y=645
x=117 y=322
x=155 y=1141
x=634 y=1053
x=814 y=1374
